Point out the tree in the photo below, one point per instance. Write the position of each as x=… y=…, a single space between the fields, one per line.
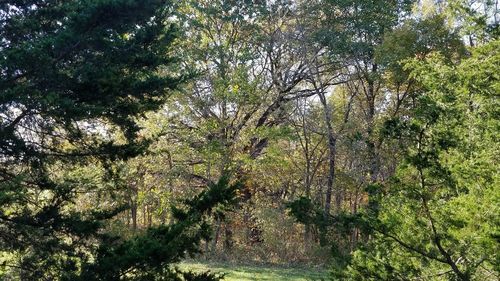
x=149 y=256
x=251 y=67
x=74 y=78
x=352 y=30
x=435 y=220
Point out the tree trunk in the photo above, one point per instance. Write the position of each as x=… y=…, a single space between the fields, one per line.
x=371 y=144
x=228 y=237
x=133 y=207
x=216 y=237
x=133 y=214
x=332 y=151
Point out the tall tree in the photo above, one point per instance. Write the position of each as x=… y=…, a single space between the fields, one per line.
x=352 y=30
x=74 y=77
x=435 y=219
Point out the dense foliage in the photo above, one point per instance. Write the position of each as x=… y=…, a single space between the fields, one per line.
x=361 y=136
x=437 y=218
x=75 y=75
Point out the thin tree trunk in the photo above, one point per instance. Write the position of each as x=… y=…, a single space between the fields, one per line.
x=372 y=146
x=228 y=237
x=246 y=223
x=332 y=151
x=133 y=214
x=307 y=183
x=133 y=207
x=216 y=237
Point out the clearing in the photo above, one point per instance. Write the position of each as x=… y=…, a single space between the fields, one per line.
x=251 y=273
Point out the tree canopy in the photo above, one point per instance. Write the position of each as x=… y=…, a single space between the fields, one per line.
x=360 y=136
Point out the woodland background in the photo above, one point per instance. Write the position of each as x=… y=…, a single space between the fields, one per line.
x=358 y=136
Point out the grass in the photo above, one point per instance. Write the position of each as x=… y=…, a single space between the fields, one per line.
x=251 y=273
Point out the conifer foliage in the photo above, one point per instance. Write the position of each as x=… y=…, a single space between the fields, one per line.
x=74 y=77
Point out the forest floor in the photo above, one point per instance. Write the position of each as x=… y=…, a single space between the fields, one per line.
x=254 y=273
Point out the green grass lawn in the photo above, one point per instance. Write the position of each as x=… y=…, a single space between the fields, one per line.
x=250 y=273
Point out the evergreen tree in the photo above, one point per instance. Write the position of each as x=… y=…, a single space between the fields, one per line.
x=74 y=77
x=437 y=219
